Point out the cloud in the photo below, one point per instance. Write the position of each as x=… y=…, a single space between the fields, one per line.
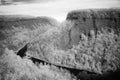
x=5 y=2
x=30 y=1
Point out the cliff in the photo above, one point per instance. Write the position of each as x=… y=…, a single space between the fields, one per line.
x=93 y=19
x=88 y=40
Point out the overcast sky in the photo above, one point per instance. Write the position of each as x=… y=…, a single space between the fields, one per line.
x=53 y=8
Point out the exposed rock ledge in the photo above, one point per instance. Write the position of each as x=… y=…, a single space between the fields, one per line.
x=96 y=19
x=93 y=19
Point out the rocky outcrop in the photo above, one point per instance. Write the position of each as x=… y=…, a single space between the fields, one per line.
x=93 y=19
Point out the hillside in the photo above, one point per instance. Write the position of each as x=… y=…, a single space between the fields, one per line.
x=17 y=26
x=86 y=44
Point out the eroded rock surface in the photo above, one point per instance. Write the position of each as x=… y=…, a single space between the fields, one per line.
x=93 y=19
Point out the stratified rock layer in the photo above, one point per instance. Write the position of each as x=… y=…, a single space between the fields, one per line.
x=93 y=19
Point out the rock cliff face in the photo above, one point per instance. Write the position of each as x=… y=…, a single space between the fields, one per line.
x=96 y=19
x=93 y=19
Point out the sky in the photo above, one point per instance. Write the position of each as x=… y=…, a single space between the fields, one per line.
x=57 y=9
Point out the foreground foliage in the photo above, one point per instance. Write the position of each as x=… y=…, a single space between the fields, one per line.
x=12 y=67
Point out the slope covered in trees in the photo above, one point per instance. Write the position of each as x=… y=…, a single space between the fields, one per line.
x=86 y=44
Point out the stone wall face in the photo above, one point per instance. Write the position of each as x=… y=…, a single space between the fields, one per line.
x=113 y=24
x=96 y=19
x=91 y=19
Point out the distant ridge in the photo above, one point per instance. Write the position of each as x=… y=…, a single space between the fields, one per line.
x=30 y=23
x=22 y=20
